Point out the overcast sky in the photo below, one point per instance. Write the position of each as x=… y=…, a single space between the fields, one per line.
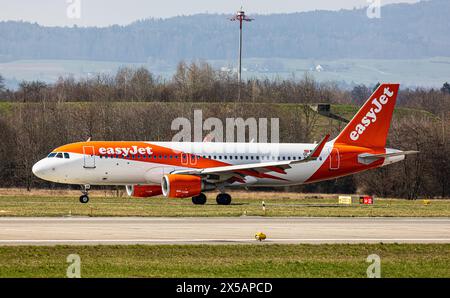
x=107 y=12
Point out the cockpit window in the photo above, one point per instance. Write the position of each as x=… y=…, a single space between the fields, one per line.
x=51 y=155
x=59 y=155
x=66 y=155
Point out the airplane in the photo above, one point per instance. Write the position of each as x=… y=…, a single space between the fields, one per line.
x=188 y=169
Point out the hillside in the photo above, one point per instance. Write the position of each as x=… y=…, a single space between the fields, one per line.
x=404 y=31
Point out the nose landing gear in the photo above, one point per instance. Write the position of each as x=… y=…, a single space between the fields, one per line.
x=84 y=198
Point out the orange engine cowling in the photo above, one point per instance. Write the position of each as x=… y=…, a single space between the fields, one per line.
x=181 y=186
x=143 y=191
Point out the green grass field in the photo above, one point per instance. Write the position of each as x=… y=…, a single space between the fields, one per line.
x=249 y=204
x=262 y=260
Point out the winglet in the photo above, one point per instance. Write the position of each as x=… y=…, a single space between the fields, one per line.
x=316 y=152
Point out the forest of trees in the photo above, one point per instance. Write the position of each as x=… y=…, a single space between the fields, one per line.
x=199 y=82
x=404 y=31
x=133 y=104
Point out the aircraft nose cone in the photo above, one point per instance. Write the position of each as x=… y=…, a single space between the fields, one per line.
x=39 y=169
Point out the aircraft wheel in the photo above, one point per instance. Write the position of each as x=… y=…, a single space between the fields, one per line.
x=84 y=199
x=199 y=200
x=223 y=199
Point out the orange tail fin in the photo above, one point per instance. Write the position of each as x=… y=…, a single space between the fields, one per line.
x=370 y=126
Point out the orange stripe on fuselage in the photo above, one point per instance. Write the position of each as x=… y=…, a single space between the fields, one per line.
x=200 y=163
x=157 y=151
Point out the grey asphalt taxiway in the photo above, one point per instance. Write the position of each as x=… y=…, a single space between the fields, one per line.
x=137 y=230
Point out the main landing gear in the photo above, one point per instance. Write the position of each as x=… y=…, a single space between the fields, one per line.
x=221 y=199
x=199 y=200
x=84 y=198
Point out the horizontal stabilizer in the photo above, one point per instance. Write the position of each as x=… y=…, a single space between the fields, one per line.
x=368 y=158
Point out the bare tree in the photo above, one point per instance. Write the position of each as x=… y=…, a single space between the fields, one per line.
x=2 y=84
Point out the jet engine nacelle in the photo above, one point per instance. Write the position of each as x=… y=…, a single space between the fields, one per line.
x=183 y=186
x=143 y=191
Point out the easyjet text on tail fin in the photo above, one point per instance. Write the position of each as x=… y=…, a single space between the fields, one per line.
x=370 y=126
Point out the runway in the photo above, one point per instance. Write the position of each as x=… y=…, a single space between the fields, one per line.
x=213 y=230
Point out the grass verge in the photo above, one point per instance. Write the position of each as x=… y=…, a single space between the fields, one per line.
x=250 y=204
x=261 y=260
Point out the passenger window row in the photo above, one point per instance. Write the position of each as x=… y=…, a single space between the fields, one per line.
x=138 y=156
x=251 y=157
x=214 y=157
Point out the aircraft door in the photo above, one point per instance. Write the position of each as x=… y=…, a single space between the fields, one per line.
x=184 y=159
x=193 y=159
x=89 y=157
x=335 y=159
x=188 y=159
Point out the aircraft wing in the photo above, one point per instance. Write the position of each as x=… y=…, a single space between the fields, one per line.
x=256 y=169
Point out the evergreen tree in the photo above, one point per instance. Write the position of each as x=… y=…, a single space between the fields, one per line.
x=446 y=88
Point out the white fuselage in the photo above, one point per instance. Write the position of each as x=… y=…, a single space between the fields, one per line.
x=115 y=170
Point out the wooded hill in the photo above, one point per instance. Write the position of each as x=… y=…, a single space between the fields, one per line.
x=404 y=31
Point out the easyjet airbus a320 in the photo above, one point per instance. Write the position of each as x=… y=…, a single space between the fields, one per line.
x=181 y=169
